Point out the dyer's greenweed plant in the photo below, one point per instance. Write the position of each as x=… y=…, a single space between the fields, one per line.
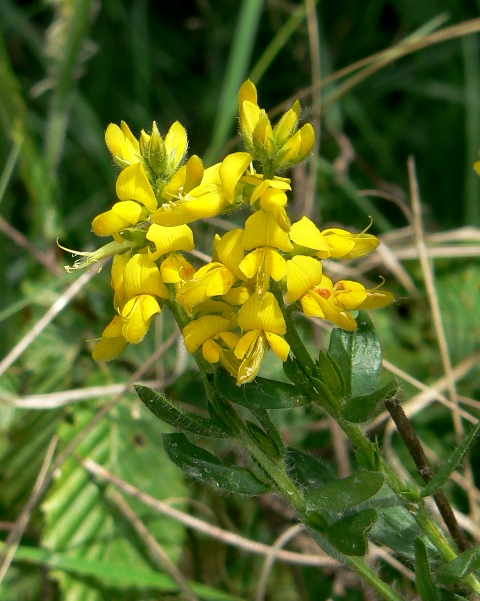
x=240 y=306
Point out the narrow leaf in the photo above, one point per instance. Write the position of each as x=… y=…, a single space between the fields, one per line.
x=450 y=465
x=423 y=574
x=270 y=429
x=177 y=417
x=362 y=408
x=208 y=469
x=262 y=393
x=346 y=493
x=307 y=470
x=358 y=355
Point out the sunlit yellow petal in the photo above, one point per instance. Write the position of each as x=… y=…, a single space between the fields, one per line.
x=193 y=173
x=349 y=294
x=210 y=351
x=210 y=280
x=175 y=268
x=259 y=313
x=107 y=349
x=278 y=345
x=287 y=125
x=247 y=91
x=305 y=233
x=118 y=270
x=169 y=239
x=246 y=342
x=238 y=295
x=142 y=276
x=107 y=223
x=121 y=146
x=345 y=245
x=176 y=145
x=198 y=331
x=335 y=314
x=303 y=273
x=230 y=339
x=132 y=184
x=377 y=299
x=209 y=204
x=262 y=229
x=138 y=313
x=231 y=170
x=229 y=250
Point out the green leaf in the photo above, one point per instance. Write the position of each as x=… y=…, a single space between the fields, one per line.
x=80 y=521
x=423 y=574
x=396 y=529
x=350 y=534
x=117 y=576
x=208 y=469
x=308 y=470
x=331 y=375
x=262 y=393
x=270 y=429
x=358 y=355
x=464 y=564
x=346 y=493
x=177 y=417
x=450 y=465
x=362 y=408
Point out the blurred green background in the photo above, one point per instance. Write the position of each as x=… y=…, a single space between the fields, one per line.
x=70 y=67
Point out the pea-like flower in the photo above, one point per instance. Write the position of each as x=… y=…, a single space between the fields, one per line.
x=262 y=322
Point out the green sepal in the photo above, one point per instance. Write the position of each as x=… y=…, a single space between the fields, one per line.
x=266 y=443
x=362 y=408
x=331 y=375
x=208 y=469
x=294 y=372
x=349 y=535
x=358 y=355
x=464 y=564
x=423 y=574
x=345 y=493
x=175 y=416
x=450 y=465
x=261 y=394
x=324 y=397
x=270 y=429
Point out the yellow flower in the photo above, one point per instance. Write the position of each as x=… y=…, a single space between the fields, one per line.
x=122 y=144
x=213 y=279
x=308 y=238
x=306 y=283
x=142 y=276
x=137 y=315
x=120 y=216
x=231 y=170
x=169 y=239
x=133 y=184
x=193 y=193
x=175 y=269
x=112 y=343
x=345 y=245
x=228 y=250
x=262 y=321
x=353 y=295
x=265 y=236
x=279 y=147
x=212 y=333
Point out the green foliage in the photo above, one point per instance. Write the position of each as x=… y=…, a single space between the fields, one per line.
x=210 y=470
x=423 y=574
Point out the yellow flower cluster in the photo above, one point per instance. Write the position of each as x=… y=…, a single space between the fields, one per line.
x=235 y=305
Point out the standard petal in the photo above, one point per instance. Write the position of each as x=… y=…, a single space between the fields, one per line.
x=303 y=273
x=138 y=313
x=200 y=330
x=262 y=229
x=169 y=239
x=132 y=184
x=262 y=313
x=231 y=170
x=305 y=233
x=142 y=276
x=176 y=145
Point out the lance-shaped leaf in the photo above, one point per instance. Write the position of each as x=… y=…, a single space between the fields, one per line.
x=308 y=470
x=350 y=534
x=262 y=393
x=208 y=469
x=453 y=571
x=177 y=417
x=362 y=408
x=423 y=574
x=450 y=465
x=358 y=355
x=346 y=493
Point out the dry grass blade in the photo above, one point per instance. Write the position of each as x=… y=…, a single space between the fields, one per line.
x=17 y=531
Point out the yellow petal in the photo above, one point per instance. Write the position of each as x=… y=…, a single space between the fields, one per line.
x=246 y=342
x=210 y=203
x=476 y=166
x=210 y=351
x=121 y=146
x=171 y=191
x=175 y=269
x=259 y=313
x=287 y=125
x=142 y=276
x=132 y=184
x=303 y=273
x=107 y=349
x=169 y=239
x=176 y=145
x=333 y=313
x=129 y=210
x=247 y=91
x=229 y=250
x=377 y=299
x=108 y=223
x=262 y=229
x=248 y=115
x=238 y=295
x=118 y=270
x=231 y=170
x=200 y=330
x=138 y=313
x=210 y=280
x=349 y=294
x=193 y=173
x=278 y=345
x=305 y=233
x=252 y=358
x=345 y=245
